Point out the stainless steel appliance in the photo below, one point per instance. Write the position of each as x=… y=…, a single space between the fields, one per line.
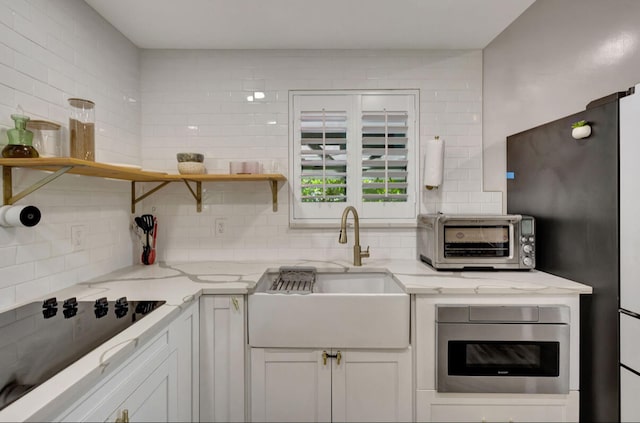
x=477 y=242
x=40 y=339
x=584 y=195
x=506 y=349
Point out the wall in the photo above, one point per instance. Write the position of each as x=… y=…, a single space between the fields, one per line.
x=197 y=100
x=549 y=63
x=50 y=51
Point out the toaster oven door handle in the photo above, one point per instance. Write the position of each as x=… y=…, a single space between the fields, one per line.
x=511 y=218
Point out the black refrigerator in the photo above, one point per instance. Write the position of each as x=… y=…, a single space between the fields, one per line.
x=573 y=189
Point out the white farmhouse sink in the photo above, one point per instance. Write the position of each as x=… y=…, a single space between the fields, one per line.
x=344 y=310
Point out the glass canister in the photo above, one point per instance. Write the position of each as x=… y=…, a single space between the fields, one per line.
x=20 y=139
x=46 y=138
x=82 y=129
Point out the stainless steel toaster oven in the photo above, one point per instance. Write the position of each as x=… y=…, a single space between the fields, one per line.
x=448 y=241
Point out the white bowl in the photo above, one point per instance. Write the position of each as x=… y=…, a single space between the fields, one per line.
x=191 y=168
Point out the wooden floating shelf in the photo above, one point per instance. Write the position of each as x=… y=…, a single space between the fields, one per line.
x=63 y=165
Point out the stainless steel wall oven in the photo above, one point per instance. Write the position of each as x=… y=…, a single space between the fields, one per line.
x=508 y=349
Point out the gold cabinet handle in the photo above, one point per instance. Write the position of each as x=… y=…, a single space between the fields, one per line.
x=123 y=417
x=339 y=357
x=324 y=358
x=235 y=303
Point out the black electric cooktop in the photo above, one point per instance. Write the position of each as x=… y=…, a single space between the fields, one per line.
x=39 y=339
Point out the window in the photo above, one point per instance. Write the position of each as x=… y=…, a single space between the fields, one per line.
x=353 y=148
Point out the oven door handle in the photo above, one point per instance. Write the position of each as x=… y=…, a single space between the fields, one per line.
x=511 y=218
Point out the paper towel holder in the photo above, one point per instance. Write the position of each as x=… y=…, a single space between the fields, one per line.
x=19 y=216
x=434 y=181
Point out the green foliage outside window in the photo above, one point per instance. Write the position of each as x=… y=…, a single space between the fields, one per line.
x=315 y=193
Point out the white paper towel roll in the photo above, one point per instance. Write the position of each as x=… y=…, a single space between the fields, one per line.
x=11 y=216
x=433 y=163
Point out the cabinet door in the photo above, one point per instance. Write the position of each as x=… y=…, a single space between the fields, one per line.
x=184 y=339
x=155 y=399
x=109 y=397
x=290 y=385
x=372 y=386
x=222 y=358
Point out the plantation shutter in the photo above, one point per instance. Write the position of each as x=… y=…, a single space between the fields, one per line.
x=384 y=156
x=321 y=159
x=351 y=148
x=323 y=153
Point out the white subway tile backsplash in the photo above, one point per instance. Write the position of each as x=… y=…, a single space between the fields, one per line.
x=16 y=80
x=49 y=266
x=6 y=56
x=50 y=51
x=491 y=208
x=24 y=291
x=7 y=256
x=33 y=252
x=16 y=274
x=471 y=187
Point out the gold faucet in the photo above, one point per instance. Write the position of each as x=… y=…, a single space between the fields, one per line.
x=357 y=251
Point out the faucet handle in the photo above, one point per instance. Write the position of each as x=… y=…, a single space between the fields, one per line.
x=365 y=253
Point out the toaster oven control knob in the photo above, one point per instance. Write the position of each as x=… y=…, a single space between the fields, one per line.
x=527 y=249
x=527 y=261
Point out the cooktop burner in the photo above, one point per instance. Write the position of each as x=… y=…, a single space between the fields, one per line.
x=38 y=340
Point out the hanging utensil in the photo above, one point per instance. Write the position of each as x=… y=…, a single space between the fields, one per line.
x=152 y=254
x=142 y=225
x=146 y=223
x=139 y=222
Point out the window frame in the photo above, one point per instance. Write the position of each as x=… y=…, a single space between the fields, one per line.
x=327 y=214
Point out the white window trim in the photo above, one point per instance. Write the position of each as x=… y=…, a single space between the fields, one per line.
x=333 y=219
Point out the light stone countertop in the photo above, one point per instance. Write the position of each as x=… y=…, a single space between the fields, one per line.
x=180 y=284
x=173 y=281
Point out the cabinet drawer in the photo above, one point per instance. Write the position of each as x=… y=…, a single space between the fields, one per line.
x=630 y=341
x=497 y=413
x=432 y=406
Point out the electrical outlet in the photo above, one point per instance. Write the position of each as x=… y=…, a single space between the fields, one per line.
x=78 y=237
x=221 y=226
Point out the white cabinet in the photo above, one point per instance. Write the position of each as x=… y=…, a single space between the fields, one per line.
x=290 y=385
x=155 y=384
x=184 y=338
x=300 y=385
x=438 y=407
x=153 y=400
x=372 y=386
x=222 y=358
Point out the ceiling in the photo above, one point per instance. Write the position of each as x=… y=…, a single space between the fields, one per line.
x=310 y=24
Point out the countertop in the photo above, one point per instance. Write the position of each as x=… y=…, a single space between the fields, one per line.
x=174 y=281
x=180 y=284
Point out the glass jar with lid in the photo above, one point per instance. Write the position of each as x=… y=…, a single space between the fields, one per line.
x=82 y=129
x=46 y=138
